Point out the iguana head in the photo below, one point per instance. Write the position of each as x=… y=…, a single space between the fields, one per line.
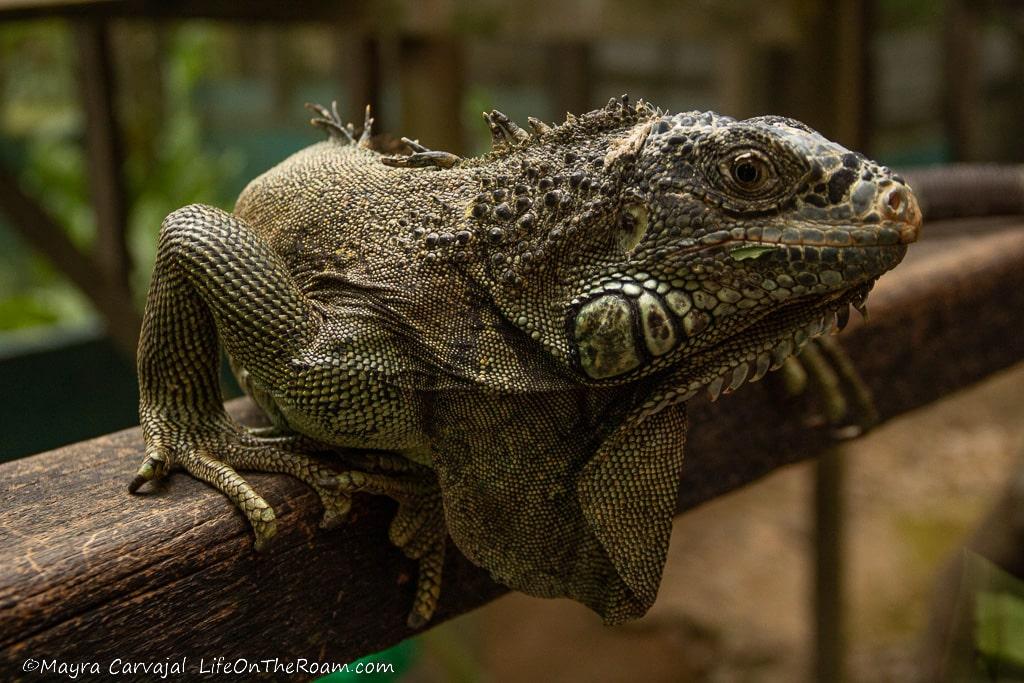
x=628 y=241
x=737 y=241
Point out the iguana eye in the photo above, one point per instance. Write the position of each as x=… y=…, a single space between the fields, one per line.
x=750 y=171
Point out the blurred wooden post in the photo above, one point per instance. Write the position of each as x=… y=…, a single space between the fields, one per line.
x=736 y=80
x=105 y=156
x=359 y=58
x=569 y=77
x=105 y=163
x=961 y=77
x=853 y=95
x=832 y=69
x=432 y=89
x=829 y=551
x=275 y=71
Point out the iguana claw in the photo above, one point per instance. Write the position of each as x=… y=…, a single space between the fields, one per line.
x=152 y=468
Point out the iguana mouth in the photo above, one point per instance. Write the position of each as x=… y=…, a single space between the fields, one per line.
x=749 y=354
x=880 y=243
x=801 y=323
x=840 y=237
x=624 y=324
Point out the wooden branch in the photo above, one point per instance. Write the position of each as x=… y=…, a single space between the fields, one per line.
x=90 y=572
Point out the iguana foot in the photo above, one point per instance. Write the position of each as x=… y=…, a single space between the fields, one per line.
x=289 y=452
x=845 y=400
x=198 y=459
x=428 y=586
x=419 y=530
x=336 y=501
x=213 y=454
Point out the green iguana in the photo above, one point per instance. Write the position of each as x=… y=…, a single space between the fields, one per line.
x=505 y=344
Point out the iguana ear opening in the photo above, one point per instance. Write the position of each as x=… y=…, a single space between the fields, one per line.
x=620 y=157
x=627 y=493
x=634 y=227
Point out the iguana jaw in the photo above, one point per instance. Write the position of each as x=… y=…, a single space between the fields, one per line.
x=629 y=326
x=748 y=354
x=763 y=346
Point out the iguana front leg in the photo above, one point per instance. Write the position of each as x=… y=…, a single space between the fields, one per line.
x=215 y=278
x=212 y=274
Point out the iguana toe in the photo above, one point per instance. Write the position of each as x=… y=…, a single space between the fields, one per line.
x=428 y=586
x=153 y=468
x=842 y=399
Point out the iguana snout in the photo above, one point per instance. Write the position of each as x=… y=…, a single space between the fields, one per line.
x=900 y=206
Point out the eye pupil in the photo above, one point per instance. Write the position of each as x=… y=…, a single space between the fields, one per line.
x=749 y=173
x=746 y=172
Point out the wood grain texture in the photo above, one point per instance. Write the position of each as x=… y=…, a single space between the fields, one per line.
x=90 y=572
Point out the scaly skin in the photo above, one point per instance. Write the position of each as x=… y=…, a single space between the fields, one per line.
x=518 y=332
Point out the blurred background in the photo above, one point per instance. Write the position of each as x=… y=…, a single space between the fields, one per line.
x=114 y=113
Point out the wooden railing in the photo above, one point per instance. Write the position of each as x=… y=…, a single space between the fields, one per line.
x=89 y=572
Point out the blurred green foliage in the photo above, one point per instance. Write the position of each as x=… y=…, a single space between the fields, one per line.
x=986 y=640
x=177 y=168
x=35 y=115
x=1000 y=628
x=42 y=141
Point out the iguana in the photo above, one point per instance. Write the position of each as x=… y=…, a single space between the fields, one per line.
x=505 y=344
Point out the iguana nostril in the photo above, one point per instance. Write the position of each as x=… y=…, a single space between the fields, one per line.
x=900 y=205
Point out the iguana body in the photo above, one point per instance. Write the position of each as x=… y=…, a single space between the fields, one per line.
x=505 y=344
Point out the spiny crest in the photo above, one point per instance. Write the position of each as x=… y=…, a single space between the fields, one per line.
x=506 y=135
x=618 y=112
